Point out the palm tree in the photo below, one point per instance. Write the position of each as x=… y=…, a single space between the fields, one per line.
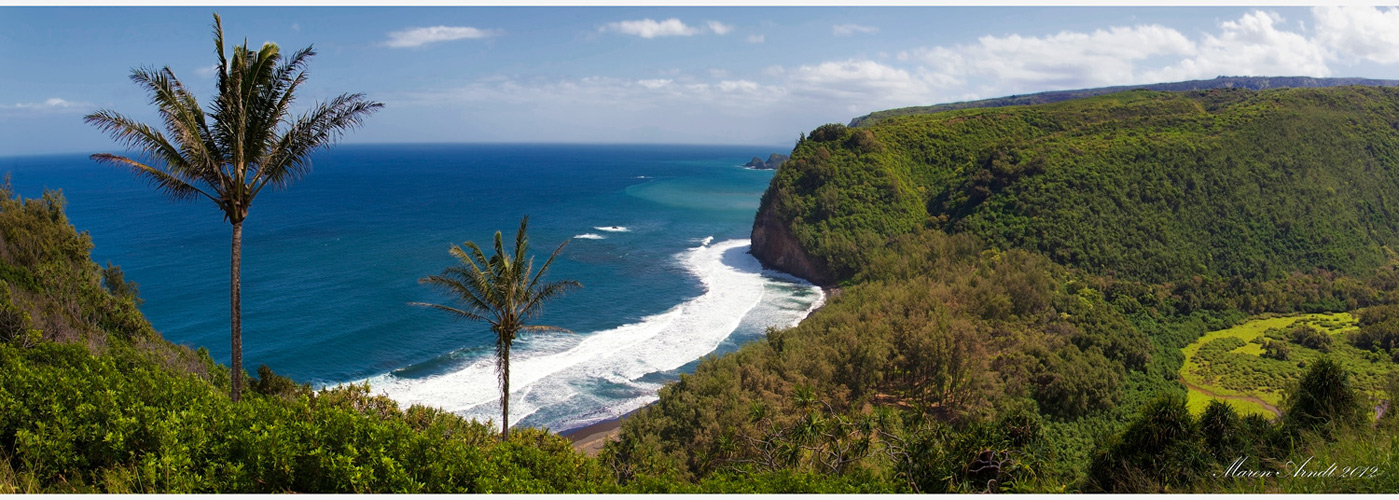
x=504 y=291
x=247 y=141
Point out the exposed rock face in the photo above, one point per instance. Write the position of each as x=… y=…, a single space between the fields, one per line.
x=776 y=248
x=774 y=160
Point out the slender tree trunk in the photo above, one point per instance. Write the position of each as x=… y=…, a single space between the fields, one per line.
x=236 y=309
x=505 y=394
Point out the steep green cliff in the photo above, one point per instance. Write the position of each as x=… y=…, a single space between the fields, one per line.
x=1156 y=186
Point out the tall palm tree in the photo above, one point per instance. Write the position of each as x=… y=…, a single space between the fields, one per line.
x=248 y=140
x=503 y=291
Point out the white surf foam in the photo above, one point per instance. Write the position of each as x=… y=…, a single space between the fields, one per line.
x=588 y=236
x=561 y=375
x=613 y=229
x=706 y=241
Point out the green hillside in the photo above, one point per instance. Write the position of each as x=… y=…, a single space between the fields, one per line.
x=1145 y=185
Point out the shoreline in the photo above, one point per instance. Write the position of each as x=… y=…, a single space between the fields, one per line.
x=590 y=439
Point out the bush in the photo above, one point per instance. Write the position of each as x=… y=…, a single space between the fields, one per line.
x=1311 y=338
x=1324 y=400
x=1161 y=450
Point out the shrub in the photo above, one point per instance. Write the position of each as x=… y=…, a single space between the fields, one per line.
x=1323 y=400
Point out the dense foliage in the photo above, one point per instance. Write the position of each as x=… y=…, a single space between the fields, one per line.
x=1044 y=268
x=1155 y=186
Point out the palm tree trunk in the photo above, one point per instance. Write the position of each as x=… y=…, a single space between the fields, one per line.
x=236 y=309
x=505 y=394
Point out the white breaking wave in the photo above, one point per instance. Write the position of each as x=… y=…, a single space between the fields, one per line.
x=613 y=229
x=599 y=375
x=706 y=241
x=588 y=236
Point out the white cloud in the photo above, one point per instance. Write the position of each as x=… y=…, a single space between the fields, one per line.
x=1252 y=46
x=53 y=104
x=47 y=104
x=1064 y=60
x=1359 y=33
x=851 y=29
x=709 y=105
x=417 y=37
x=651 y=28
x=720 y=28
x=861 y=82
x=206 y=71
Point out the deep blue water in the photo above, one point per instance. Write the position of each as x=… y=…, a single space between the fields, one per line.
x=658 y=241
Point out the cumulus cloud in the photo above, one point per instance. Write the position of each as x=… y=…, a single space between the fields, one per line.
x=418 y=37
x=676 y=105
x=1252 y=45
x=1063 y=60
x=651 y=28
x=1359 y=33
x=852 y=29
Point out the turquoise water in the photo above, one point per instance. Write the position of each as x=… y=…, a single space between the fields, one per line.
x=658 y=239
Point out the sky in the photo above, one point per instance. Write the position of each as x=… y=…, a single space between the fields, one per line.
x=677 y=75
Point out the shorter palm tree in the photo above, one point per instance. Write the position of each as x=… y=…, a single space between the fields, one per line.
x=503 y=291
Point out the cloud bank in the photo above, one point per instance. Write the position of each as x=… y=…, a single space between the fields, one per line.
x=418 y=37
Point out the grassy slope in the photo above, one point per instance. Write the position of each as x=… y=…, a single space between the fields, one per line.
x=1250 y=375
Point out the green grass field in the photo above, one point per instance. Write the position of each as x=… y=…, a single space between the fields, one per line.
x=1228 y=364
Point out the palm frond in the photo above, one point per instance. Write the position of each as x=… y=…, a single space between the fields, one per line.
x=177 y=188
x=458 y=312
x=466 y=292
x=546 y=328
x=540 y=295
x=290 y=154
x=550 y=261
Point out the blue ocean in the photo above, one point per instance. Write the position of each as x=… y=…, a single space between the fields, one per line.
x=658 y=236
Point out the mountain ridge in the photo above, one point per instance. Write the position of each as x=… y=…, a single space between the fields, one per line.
x=1052 y=96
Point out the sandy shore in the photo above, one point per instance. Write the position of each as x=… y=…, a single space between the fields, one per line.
x=590 y=439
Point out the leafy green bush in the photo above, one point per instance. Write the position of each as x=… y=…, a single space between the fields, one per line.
x=1324 y=400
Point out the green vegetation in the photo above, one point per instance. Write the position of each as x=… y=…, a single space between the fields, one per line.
x=1034 y=299
x=1254 y=363
x=1060 y=264
x=1214 y=187
x=503 y=291
x=247 y=140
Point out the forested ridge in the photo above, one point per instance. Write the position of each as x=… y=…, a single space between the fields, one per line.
x=1220 y=82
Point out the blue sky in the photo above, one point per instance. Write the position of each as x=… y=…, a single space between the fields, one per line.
x=693 y=75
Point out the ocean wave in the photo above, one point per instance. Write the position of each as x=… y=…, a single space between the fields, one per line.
x=612 y=229
x=600 y=375
x=588 y=236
